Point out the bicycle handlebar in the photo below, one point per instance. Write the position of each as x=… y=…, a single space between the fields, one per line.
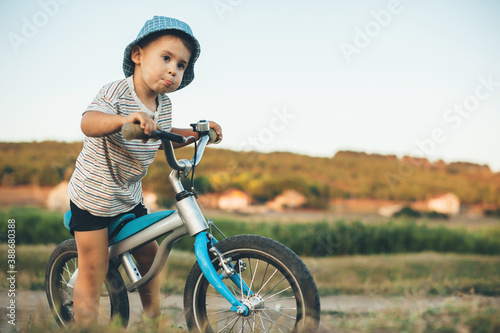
x=131 y=131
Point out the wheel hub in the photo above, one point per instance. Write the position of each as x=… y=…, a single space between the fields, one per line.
x=254 y=303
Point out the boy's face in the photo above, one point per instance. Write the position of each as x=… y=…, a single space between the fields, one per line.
x=160 y=65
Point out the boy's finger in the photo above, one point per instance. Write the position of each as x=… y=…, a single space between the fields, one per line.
x=150 y=126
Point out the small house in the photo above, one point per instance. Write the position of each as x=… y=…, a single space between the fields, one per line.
x=447 y=203
x=288 y=199
x=234 y=200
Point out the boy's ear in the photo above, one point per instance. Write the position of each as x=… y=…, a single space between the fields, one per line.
x=135 y=54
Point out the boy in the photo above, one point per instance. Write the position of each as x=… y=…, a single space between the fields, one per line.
x=106 y=182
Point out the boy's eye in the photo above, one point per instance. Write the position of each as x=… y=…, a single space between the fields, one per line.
x=181 y=66
x=166 y=58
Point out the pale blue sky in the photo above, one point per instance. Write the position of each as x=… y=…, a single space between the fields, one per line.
x=311 y=77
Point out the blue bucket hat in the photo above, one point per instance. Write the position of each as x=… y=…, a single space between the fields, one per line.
x=162 y=23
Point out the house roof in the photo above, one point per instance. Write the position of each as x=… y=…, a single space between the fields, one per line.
x=442 y=195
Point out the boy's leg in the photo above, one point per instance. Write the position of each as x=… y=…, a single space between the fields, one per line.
x=93 y=260
x=150 y=293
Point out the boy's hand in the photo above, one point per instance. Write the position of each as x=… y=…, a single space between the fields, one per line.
x=218 y=130
x=146 y=123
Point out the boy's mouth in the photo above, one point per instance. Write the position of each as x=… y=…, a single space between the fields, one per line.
x=168 y=82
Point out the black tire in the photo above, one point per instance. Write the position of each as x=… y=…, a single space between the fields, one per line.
x=62 y=264
x=290 y=297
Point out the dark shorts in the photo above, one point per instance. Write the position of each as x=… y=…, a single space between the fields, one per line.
x=82 y=220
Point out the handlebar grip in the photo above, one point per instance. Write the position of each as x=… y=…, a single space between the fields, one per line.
x=131 y=131
x=214 y=138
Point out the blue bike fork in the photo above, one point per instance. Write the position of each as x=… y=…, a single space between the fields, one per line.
x=210 y=273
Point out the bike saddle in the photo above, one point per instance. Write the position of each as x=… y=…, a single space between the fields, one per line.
x=127 y=225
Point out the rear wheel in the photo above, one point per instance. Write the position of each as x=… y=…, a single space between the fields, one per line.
x=284 y=296
x=59 y=282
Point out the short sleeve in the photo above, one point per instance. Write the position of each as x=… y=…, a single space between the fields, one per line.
x=102 y=103
x=164 y=117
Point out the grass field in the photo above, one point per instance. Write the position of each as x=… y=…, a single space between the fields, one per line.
x=459 y=279
x=468 y=314
x=387 y=275
x=467 y=286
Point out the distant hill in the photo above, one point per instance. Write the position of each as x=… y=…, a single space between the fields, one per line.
x=347 y=174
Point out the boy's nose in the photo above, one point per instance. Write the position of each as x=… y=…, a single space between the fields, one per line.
x=171 y=70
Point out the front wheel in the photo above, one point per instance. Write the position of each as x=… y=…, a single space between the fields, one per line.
x=284 y=296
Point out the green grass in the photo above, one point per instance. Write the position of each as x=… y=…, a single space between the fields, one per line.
x=314 y=239
x=460 y=278
x=387 y=275
x=42 y=322
x=455 y=314
x=407 y=274
x=465 y=314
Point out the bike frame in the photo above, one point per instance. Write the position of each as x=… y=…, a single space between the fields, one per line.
x=187 y=220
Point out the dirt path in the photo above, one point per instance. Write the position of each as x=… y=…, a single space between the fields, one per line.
x=34 y=304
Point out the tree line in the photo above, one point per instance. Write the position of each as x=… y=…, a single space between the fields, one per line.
x=345 y=175
x=319 y=239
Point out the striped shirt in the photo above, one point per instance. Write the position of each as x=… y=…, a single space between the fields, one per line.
x=108 y=172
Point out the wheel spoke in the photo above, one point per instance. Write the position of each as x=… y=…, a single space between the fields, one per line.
x=67 y=269
x=264 y=276
x=227 y=318
x=279 y=299
x=231 y=322
x=281 y=313
x=278 y=292
x=275 y=323
x=242 y=325
x=220 y=311
x=253 y=275
x=249 y=324
x=234 y=325
x=273 y=286
x=233 y=289
x=294 y=309
x=262 y=287
x=215 y=295
x=261 y=324
x=217 y=306
x=63 y=280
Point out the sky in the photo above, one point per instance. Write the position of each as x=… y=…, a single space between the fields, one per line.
x=408 y=77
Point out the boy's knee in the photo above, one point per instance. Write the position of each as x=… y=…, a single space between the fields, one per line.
x=94 y=271
x=99 y=266
x=93 y=265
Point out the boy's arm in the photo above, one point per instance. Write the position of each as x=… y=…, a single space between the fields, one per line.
x=185 y=132
x=99 y=124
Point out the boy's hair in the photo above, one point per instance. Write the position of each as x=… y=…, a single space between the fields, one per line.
x=186 y=39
